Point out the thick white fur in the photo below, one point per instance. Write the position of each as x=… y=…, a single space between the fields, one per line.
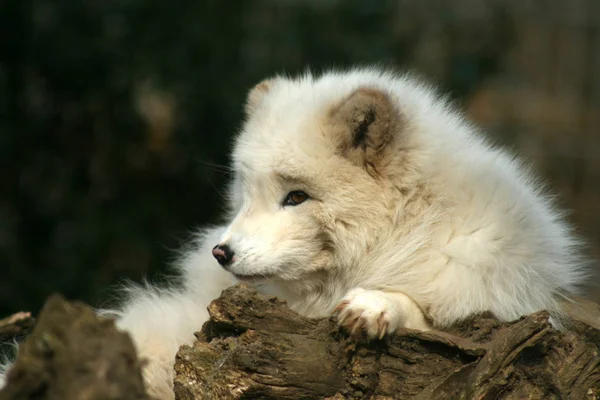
x=445 y=227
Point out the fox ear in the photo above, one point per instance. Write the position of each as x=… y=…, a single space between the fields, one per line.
x=363 y=125
x=257 y=94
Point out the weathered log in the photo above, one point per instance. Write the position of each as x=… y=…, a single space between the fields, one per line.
x=254 y=347
x=16 y=326
x=73 y=354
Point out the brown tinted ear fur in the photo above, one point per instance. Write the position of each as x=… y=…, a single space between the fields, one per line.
x=257 y=93
x=364 y=125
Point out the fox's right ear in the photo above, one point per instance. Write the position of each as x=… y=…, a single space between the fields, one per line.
x=363 y=125
x=257 y=94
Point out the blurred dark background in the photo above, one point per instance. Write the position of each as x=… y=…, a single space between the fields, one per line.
x=115 y=115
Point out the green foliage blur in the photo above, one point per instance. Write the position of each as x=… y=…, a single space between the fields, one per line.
x=116 y=116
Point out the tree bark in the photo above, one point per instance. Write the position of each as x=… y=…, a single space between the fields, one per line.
x=16 y=326
x=255 y=347
x=72 y=354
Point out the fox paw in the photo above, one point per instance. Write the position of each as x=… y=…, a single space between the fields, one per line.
x=364 y=312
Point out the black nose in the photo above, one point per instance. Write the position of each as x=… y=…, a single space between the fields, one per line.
x=223 y=254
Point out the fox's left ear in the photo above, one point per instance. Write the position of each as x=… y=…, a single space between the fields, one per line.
x=257 y=93
x=363 y=126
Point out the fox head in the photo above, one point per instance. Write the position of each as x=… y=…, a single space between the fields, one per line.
x=316 y=180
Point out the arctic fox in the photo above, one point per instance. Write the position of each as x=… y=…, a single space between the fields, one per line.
x=365 y=195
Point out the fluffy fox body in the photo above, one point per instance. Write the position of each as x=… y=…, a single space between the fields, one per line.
x=364 y=194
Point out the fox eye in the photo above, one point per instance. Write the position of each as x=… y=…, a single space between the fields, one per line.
x=294 y=198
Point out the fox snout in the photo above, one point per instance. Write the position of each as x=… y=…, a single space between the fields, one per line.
x=223 y=254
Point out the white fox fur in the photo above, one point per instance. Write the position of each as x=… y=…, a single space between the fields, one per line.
x=412 y=219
